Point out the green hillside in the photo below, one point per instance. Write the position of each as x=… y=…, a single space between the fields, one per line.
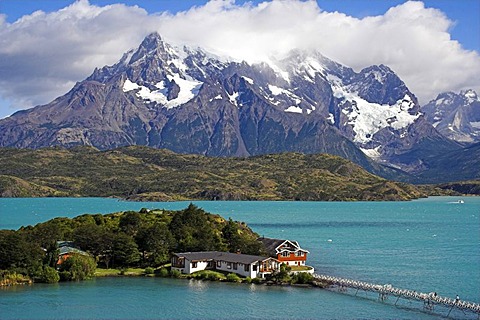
x=141 y=173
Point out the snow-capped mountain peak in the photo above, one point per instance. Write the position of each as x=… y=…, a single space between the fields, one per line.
x=470 y=95
x=191 y=101
x=457 y=116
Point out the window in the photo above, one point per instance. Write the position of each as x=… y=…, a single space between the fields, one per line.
x=299 y=254
x=285 y=254
x=254 y=268
x=247 y=267
x=219 y=264
x=229 y=265
x=235 y=266
x=194 y=264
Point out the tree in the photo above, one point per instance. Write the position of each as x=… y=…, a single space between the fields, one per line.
x=51 y=255
x=193 y=231
x=236 y=240
x=125 y=250
x=88 y=237
x=51 y=231
x=130 y=222
x=231 y=236
x=18 y=253
x=78 y=267
x=155 y=242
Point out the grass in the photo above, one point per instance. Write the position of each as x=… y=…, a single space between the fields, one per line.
x=209 y=275
x=300 y=268
x=101 y=272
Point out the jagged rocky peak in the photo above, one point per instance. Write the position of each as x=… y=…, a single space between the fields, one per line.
x=470 y=95
x=153 y=47
x=456 y=116
x=381 y=84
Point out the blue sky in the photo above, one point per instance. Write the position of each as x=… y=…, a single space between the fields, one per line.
x=433 y=45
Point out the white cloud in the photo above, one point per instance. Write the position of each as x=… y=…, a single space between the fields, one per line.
x=42 y=55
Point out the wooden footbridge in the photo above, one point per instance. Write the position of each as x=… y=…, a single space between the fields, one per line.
x=429 y=300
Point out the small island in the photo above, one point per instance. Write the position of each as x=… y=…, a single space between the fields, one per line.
x=188 y=243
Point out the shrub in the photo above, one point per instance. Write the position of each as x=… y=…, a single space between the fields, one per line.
x=208 y=275
x=149 y=270
x=213 y=276
x=65 y=276
x=49 y=275
x=233 y=277
x=162 y=272
x=302 y=278
x=10 y=278
x=248 y=280
x=257 y=280
x=283 y=275
x=174 y=273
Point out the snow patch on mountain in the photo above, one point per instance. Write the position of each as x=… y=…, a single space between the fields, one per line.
x=233 y=98
x=188 y=90
x=470 y=95
x=276 y=90
x=129 y=86
x=373 y=153
x=368 y=118
x=331 y=118
x=292 y=97
x=377 y=75
x=249 y=80
x=294 y=109
x=311 y=67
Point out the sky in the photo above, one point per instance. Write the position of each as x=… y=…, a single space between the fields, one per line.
x=47 y=46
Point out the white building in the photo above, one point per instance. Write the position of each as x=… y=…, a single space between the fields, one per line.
x=241 y=264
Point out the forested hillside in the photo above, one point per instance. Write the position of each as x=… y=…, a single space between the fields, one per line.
x=142 y=173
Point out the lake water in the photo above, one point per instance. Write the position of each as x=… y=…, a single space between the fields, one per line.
x=425 y=245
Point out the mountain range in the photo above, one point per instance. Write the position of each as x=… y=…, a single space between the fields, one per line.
x=190 y=101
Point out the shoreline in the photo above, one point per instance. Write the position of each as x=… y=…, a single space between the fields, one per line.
x=137 y=273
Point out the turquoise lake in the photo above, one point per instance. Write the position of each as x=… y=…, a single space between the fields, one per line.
x=425 y=245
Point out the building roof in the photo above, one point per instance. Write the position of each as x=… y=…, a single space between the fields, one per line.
x=65 y=244
x=271 y=245
x=66 y=250
x=221 y=256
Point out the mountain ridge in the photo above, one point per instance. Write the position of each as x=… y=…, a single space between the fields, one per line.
x=189 y=101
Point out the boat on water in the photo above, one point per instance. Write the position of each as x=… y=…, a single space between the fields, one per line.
x=460 y=201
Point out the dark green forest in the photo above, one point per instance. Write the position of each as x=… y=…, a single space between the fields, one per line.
x=119 y=240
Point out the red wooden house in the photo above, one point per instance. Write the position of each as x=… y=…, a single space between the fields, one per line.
x=286 y=251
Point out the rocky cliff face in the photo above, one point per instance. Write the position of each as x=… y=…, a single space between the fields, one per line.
x=456 y=116
x=189 y=101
